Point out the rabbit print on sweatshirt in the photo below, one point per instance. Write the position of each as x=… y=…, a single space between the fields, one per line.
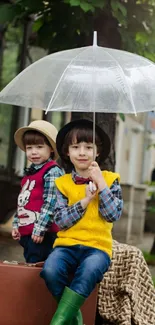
x=26 y=216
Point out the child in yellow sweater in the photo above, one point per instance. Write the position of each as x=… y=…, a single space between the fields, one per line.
x=88 y=202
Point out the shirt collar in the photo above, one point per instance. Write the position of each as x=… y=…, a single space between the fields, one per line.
x=40 y=165
x=34 y=167
x=80 y=178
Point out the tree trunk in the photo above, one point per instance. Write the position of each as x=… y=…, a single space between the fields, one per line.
x=2 y=33
x=153 y=248
x=22 y=62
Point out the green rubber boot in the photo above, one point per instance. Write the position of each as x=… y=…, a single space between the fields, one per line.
x=77 y=319
x=68 y=308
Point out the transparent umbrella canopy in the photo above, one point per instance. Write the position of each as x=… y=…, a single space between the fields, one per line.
x=87 y=79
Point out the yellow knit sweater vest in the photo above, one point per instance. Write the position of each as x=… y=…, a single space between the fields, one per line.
x=92 y=229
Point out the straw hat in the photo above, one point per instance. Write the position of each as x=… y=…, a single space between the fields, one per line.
x=83 y=123
x=44 y=127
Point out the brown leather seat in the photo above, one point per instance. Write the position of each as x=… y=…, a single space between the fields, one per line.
x=25 y=300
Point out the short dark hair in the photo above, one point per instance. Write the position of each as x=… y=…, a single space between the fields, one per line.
x=35 y=137
x=79 y=134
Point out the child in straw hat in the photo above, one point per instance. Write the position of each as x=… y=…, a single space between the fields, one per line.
x=33 y=223
x=85 y=215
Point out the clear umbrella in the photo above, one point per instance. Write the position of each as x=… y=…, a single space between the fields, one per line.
x=92 y=79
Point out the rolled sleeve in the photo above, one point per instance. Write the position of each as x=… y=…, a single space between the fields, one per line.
x=111 y=202
x=15 y=221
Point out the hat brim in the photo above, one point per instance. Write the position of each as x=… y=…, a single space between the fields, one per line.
x=83 y=123
x=18 y=137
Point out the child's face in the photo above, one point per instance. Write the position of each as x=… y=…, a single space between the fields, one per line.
x=38 y=153
x=81 y=155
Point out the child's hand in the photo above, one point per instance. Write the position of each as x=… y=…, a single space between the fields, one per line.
x=95 y=174
x=37 y=239
x=90 y=194
x=92 y=187
x=15 y=234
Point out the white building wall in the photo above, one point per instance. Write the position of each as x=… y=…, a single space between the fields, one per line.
x=149 y=157
x=132 y=161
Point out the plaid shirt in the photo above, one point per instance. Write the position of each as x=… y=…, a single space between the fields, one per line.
x=110 y=206
x=49 y=197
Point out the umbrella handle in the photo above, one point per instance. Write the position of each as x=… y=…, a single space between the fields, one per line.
x=92 y=187
x=95 y=38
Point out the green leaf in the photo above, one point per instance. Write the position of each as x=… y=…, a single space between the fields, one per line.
x=122 y=9
x=150 y=56
x=86 y=6
x=114 y=5
x=100 y=3
x=67 y=1
x=8 y=12
x=151 y=146
x=122 y=116
x=141 y=37
x=117 y=6
x=78 y=31
x=37 y=24
x=74 y=3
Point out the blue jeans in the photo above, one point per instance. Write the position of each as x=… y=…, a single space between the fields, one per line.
x=87 y=264
x=33 y=252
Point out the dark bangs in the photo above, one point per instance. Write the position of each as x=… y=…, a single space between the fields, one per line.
x=34 y=137
x=77 y=135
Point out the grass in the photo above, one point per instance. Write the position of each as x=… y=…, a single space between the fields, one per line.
x=150 y=259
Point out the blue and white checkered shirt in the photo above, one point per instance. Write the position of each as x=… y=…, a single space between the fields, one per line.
x=49 y=197
x=110 y=206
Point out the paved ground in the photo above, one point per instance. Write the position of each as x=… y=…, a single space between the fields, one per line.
x=10 y=250
x=146 y=243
